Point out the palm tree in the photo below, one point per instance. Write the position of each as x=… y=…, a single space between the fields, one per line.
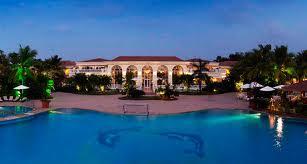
x=301 y=65
x=105 y=80
x=6 y=79
x=199 y=74
x=22 y=63
x=283 y=64
x=81 y=82
x=256 y=65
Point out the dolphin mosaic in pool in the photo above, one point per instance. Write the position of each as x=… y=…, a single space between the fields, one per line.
x=111 y=137
x=195 y=139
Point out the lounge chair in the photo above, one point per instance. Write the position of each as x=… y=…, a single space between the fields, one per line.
x=23 y=99
x=5 y=98
x=11 y=98
x=16 y=98
x=1 y=99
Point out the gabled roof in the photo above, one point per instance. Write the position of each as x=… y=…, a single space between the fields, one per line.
x=147 y=58
x=66 y=63
x=228 y=63
x=95 y=60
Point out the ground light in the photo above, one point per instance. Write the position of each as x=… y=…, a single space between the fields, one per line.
x=225 y=119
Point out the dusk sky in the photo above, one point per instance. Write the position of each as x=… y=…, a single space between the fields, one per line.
x=85 y=29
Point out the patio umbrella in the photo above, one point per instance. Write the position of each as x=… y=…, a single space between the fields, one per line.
x=267 y=89
x=245 y=86
x=21 y=87
x=255 y=85
x=278 y=86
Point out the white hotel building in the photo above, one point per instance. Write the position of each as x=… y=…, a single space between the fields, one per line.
x=149 y=71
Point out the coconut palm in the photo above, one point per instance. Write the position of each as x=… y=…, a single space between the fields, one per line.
x=199 y=74
x=283 y=64
x=22 y=63
x=81 y=82
x=105 y=80
x=256 y=65
x=52 y=68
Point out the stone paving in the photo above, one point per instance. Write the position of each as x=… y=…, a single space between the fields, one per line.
x=111 y=104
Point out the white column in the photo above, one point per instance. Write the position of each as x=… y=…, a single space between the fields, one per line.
x=170 y=74
x=154 y=78
x=124 y=70
x=109 y=70
x=139 y=78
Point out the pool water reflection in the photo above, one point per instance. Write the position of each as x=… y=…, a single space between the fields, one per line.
x=212 y=136
x=13 y=110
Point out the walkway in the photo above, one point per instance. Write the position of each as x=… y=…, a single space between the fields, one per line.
x=185 y=103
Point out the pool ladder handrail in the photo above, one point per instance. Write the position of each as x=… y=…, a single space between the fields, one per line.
x=126 y=111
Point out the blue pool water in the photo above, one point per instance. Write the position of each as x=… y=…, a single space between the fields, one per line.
x=13 y=110
x=213 y=136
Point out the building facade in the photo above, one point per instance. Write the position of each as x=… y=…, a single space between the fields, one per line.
x=149 y=72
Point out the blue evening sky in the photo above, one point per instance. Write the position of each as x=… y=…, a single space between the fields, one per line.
x=84 y=29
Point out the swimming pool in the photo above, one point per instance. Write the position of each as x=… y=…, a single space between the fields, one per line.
x=13 y=110
x=212 y=136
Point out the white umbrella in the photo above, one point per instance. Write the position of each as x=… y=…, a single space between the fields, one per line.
x=255 y=85
x=267 y=89
x=21 y=87
x=279 y=86
x=245 y=86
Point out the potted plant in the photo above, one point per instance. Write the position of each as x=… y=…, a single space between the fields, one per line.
x=45 y=103
x=46 y=94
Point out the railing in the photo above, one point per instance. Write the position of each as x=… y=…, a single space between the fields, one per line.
x=140 y=109
x=89 y=70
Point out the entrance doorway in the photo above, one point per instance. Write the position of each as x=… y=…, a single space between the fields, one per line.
x=147 y=77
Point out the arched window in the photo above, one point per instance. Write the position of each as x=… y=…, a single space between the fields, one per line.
x=162 y=75
x=116 y=74
x=133 y=70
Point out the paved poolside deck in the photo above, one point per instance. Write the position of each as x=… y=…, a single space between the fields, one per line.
x=111 y=103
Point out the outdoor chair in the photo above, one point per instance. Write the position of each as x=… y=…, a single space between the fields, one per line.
x=1 y=99
x=23 y=99
x=11 y=98
x=5 y=98
x=16 y=98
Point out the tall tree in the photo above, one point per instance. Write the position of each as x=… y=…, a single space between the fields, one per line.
x=301 y=65
x=283 y=64
x=22 y=63
x=199 y=74
x=256 y=65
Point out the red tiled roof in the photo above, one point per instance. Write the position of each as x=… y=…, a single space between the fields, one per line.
x=228 y=63
x=95 y=60
x=66 y=63
x=147 y=58
x=297 y=87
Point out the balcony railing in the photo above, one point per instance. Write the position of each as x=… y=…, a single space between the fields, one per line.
x=88 y=70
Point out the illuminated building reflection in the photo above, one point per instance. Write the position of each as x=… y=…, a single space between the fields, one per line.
x=279 y=132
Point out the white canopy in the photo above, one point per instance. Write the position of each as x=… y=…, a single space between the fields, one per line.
x=279 y=86
x=21 y=87
x=255 y=85
x=267 y=89
x=245 y=86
